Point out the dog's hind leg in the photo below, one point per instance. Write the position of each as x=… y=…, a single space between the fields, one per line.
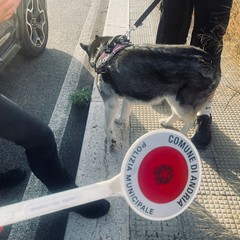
x=186 y=113
x=188 y=117
x=188 y=124
x=168 y=122
x=123 y=120
x=111 y=108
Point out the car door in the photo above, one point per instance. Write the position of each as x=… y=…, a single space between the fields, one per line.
x=7 y=35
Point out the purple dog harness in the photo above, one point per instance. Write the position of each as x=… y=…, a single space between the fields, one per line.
x=117 y=44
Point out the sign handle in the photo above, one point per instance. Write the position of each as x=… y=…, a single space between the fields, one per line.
x=55 y=202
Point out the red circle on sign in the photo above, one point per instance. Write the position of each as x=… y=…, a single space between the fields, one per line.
x=163 y=174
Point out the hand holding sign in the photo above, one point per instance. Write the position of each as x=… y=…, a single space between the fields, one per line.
x=159 y=179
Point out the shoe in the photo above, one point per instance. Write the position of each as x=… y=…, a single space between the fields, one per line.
x=12 y=178
x=203 y=136
x=94 y=209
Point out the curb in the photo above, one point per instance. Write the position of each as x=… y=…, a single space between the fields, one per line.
x=95 y=163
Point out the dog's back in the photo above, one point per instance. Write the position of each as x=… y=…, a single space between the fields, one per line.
x=150 y=71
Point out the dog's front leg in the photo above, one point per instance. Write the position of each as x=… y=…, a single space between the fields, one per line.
x=123 y=120
x=111 y=109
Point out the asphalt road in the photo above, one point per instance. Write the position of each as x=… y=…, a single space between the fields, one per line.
x=35 y=84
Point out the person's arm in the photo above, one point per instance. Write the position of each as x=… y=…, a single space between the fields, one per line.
x=8 y=8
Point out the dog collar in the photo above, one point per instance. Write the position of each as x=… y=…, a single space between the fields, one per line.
x=103 y=62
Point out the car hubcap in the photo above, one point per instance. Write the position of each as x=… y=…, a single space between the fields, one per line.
x=36 y=22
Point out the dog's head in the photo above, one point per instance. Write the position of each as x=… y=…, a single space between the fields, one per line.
x=95 y=49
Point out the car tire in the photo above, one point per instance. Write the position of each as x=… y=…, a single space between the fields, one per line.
x=34 y=28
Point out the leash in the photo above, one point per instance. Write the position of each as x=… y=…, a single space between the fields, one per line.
x=140 y=20
x=120 y=42
x=124 y=39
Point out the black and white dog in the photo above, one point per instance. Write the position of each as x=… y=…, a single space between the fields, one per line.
x=183 y=75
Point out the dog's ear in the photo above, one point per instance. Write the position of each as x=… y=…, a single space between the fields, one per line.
x=96 y=36
x=84 y=47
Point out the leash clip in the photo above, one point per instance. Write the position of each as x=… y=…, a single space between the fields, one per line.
x=140 y=20
x=127 y=34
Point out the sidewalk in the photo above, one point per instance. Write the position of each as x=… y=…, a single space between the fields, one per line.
x=215 y=213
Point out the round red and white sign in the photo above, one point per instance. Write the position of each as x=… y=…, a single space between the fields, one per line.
x=162 y=173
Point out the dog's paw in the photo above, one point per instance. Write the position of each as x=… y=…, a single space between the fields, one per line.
x=121 y=123
x=110 y=145
x=164 y=123
x=111 y=142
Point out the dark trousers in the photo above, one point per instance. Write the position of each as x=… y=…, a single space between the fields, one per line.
x=37 y=139
x=211 y=19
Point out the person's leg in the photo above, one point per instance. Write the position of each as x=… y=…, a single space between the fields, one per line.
x=12 y=178
x=36 y=137
x=210 y=23
x=211 y=19
x=175 y=19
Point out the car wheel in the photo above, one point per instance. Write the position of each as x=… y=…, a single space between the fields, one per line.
x=35 y=28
